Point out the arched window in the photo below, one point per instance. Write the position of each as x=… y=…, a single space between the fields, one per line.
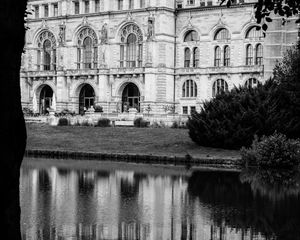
x=87 y=52
x=226 y=56
x=46 y=53
x=189 y=89
x=251 y=83
x=217 y=61
x=222 y=34
x=219 y=86
x=131 y=48
x=249 y=55
x=191 y=36
x=196 y=57
x=259 y=54
x=87 y=56
x=187 y=57
x=253 y=33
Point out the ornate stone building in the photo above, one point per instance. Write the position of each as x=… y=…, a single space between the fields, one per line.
x=153 y=55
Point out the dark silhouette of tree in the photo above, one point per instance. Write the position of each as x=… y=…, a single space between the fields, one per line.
x=264 y=9
x=12 y=126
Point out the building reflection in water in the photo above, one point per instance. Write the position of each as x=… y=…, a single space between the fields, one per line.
x=125 y=205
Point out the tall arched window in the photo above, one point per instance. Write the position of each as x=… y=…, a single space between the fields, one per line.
x=131 y=48
x=226 y=55
x=259 y=54
x=46 y=53
x=191 y=36
x=187 y=57
x=87 y=52
x=87 y=56
x=189 y=89
x=222 y=34
x=249 y=55
x=196 y=57
x=217 y=60
x=251 y=83
x=219 y=86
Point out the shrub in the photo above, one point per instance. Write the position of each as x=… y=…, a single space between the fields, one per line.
x=98 y=108
x=230 y=120
x=178 y=124
x=103 y=122
x=66 y=112
x=273 y=151
x=63 y=122
x=140 y=122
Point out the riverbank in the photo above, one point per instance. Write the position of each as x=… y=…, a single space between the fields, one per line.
x=147 y=145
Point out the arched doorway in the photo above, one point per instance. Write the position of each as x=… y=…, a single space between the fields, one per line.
x=86 y=98
x=45 y=99
x=130 y=97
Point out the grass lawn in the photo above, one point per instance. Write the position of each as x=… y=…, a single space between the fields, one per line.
x=155 y=141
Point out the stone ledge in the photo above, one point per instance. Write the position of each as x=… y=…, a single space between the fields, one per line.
x=136 y=158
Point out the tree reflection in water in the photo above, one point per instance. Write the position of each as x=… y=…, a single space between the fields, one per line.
x=265 y=201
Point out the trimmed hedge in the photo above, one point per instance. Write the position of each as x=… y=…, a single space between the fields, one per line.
x=103 y=122
x=140 y=123
x=63 y=122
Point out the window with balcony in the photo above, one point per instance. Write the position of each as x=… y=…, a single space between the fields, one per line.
x=131 y=48
x=219 y=86
x=187 y=57
x=189 y=89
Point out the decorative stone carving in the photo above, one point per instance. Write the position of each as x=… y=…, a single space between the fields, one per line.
x=150 y=33
x=62 y=34
x=131 y=28
x=44 y=36
x=86 y=32
x=104 y=34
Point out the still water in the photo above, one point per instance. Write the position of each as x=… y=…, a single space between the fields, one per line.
x=86 y=200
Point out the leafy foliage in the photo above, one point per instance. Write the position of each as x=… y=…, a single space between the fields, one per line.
x=273 y=151
x=63 y=122
x=230 y=120
x=264 y=8
x=103 y=122
x=140 y=122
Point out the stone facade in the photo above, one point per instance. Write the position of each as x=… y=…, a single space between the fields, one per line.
x=157 y=56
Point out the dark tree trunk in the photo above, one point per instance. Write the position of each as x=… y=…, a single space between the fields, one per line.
x=12 y=126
